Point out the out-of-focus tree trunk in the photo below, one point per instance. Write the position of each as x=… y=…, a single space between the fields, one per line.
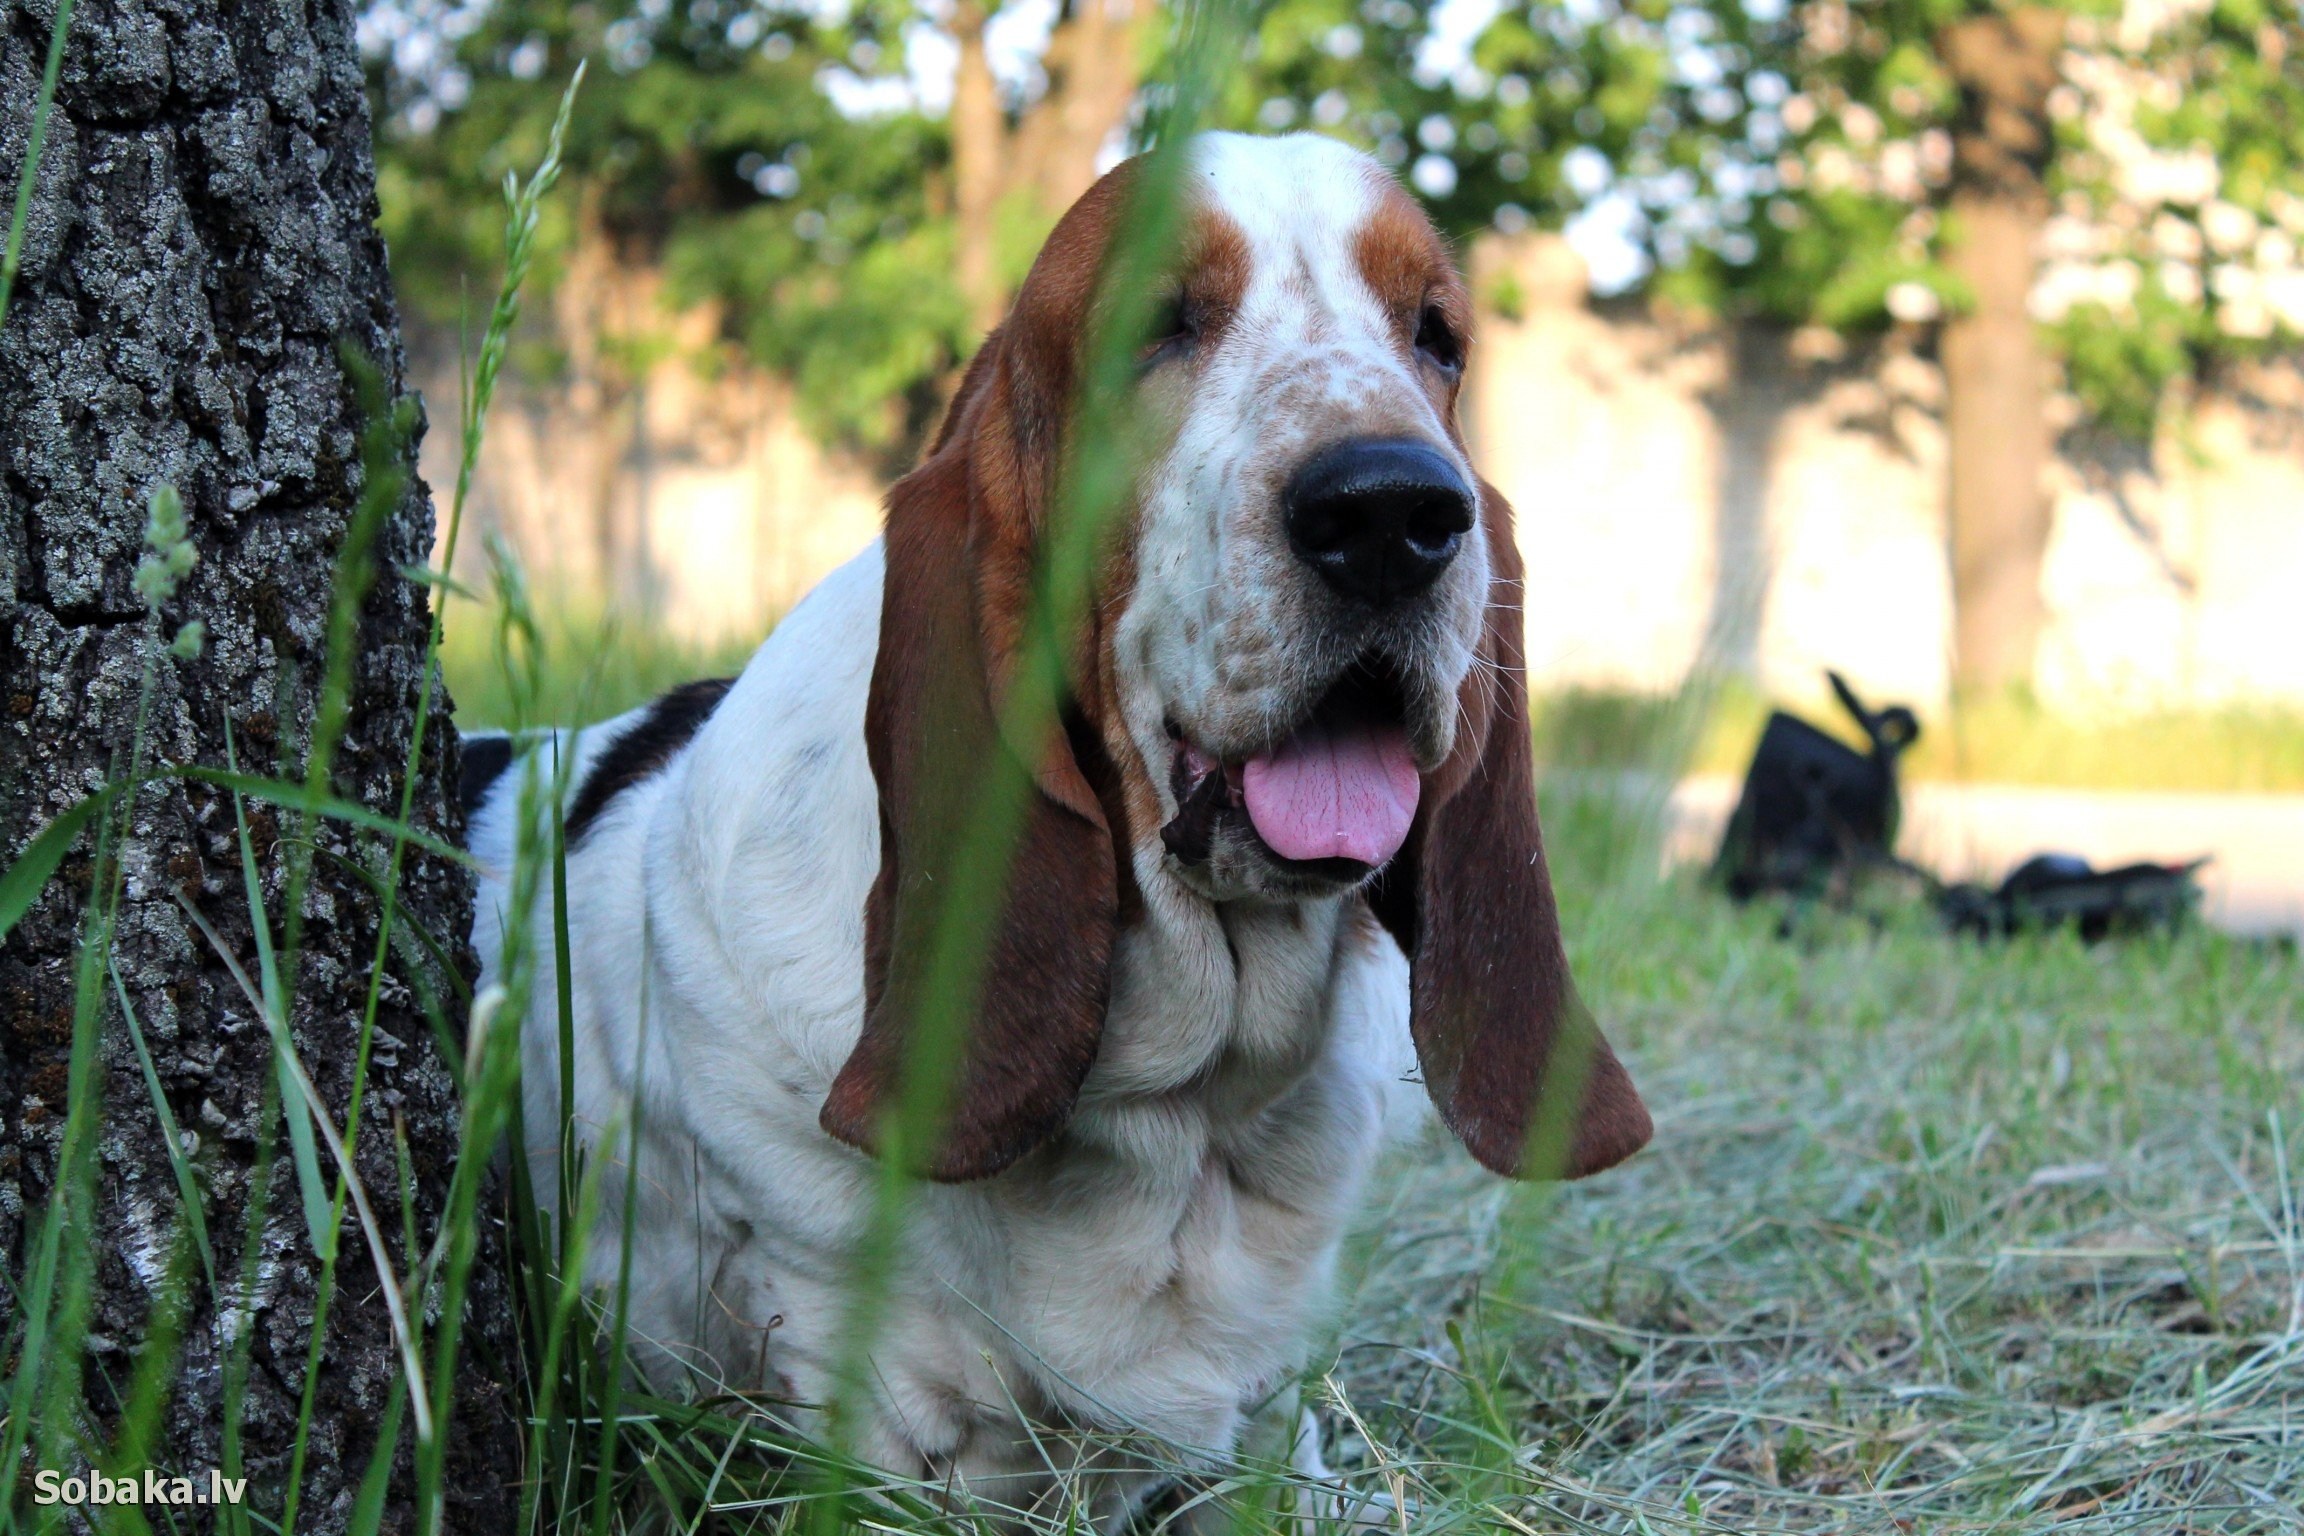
x=201 y=244
x=1092 y=77
x=1996 y=375
x=978 y=145
x=1050 y=155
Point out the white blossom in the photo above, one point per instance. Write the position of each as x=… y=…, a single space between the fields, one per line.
x=2143 y=20
x=1913 y=303
x=2181 y=282
x=2176 y=239
x=1900 y=171
x=2229 y=227
x=2284 y=294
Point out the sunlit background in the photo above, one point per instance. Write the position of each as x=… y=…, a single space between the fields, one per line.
x=1955 y=348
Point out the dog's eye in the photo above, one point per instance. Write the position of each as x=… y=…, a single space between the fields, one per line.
x=1174 y=327
x=1437 y=340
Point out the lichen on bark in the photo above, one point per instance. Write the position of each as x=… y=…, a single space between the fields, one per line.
x=199 y=250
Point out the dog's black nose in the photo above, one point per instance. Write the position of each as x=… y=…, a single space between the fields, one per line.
x=1378 y=519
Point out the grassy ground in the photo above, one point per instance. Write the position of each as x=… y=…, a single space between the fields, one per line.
x=2007 y=740
x=592 y=666
x=1933 y=1237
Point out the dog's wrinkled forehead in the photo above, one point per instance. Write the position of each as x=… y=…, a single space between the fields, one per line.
x=1327 y=259
x=1298 y=205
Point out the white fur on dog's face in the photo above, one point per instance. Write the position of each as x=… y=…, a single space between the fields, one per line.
x=1228 y=638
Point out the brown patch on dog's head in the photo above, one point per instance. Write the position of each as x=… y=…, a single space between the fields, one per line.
x=1406 y=265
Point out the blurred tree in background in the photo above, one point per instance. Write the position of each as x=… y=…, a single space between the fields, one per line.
x=742 y=155
x=2100 y=196
x=2082 y=208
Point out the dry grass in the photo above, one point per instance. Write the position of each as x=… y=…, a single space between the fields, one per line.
x=1933 y=1237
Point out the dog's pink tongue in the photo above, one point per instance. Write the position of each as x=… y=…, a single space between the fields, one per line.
x=1343 y=793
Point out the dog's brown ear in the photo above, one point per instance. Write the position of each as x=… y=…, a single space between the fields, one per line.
x=1510 y=1055
x=931 y=731
x=962 y=549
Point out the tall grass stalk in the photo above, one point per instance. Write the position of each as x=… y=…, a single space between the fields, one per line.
x=522 y=204
x=53 y=1307
x=35 y=141
x=63 y=1256
x=560 y=1345
x=1101 y=459
x=52 y=1300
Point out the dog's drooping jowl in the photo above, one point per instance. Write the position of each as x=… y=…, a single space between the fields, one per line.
x=1281 y=862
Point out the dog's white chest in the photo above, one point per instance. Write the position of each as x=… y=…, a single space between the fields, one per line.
x=1155 y=1269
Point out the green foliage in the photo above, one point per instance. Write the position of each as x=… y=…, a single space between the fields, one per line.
x=707 y=146
x=1488 y=142
x=1789 y=162
x=2121 y=365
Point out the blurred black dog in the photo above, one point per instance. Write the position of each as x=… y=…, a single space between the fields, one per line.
x=1814 y=810
x=1816 y=816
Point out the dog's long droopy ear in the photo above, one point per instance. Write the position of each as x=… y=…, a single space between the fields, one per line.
x=1510 y=1055
x=931 y=730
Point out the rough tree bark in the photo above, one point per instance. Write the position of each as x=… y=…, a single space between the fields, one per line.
x=200 y=244
x=1996 y=376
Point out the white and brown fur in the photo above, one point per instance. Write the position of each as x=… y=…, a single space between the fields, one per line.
x=1182 y=1069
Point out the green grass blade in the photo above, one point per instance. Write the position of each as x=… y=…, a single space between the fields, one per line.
x=56 y=1398
x=299 y=1082
x=14 y=255
x=1100 y=462
x=613 y=1385
x=155 y=1377
x=33 y=1305
x=368 y=1505
x=304 y=1151
x=300 y=797
x=564 y=1002
x=29 y=873
x=240 y=1356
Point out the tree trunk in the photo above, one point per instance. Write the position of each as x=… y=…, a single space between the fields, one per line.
x=1092 y=62
x=1996 y=375
x=1051 y=156
x=978 y=141
x=201 y=243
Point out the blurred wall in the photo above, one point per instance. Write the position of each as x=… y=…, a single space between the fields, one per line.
x=1771 y=503
x=632 y=468
x=1766 y=502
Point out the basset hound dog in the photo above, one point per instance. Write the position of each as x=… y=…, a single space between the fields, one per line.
x=1281 y=859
